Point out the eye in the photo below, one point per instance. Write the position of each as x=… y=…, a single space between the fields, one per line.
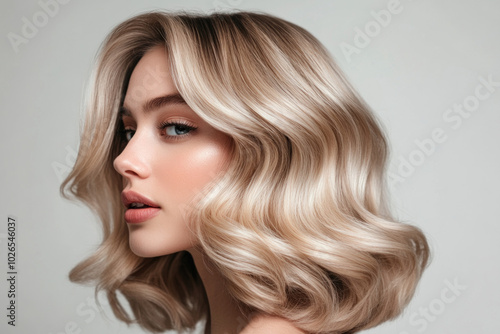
x=176 y=129
x=128 y=134
x=126 y=128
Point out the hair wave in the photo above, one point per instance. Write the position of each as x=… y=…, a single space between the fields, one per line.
x=299 y=225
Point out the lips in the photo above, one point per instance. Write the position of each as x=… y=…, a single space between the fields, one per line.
x=139 y=208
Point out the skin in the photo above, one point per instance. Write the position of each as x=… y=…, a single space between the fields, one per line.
x=169 y=165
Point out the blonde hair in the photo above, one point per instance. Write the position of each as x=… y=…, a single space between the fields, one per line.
x=299 y=225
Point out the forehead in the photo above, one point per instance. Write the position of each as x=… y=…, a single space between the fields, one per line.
x=150 y=78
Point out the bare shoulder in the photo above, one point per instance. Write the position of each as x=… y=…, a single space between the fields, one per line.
x=263 y=324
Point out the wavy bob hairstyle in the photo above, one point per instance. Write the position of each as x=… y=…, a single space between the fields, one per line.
x=299 y=225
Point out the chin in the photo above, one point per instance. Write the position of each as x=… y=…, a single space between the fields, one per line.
x=153 y=247
x=142 y=250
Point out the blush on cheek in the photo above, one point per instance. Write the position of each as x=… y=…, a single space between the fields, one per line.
x=201 y=168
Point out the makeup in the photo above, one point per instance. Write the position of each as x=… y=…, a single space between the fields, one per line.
x=139 y=208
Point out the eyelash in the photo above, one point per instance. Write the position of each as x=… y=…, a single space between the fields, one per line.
x=162 y=127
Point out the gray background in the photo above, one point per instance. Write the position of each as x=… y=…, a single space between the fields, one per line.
x=428 y=58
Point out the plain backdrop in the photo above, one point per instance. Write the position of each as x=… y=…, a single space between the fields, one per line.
x=430 y=70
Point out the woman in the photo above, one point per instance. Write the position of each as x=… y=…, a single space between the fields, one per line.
x=239 y=179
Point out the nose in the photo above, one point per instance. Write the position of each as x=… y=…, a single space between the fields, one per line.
x=131 y=163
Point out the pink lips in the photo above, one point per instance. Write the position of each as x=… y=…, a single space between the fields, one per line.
x=139 y=208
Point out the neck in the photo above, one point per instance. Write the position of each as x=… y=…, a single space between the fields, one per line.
x=224 y=315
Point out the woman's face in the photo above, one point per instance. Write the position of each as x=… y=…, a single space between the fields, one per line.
x=170 y=155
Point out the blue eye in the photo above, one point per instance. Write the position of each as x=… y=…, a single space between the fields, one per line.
x=128 y=134
x=176 y=129
x=169 y=130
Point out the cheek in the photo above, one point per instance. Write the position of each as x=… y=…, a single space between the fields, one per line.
x=195 y=168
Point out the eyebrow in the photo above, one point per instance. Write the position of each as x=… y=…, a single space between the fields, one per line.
x=156 y=103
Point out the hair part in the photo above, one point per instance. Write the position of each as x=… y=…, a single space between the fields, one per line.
x=299 y=225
